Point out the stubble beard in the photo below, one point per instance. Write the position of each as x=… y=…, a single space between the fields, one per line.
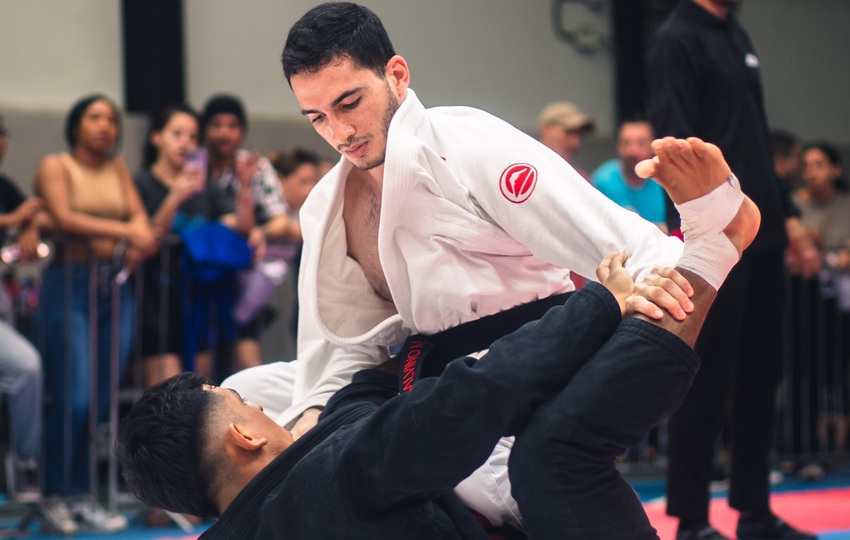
x=392 y=106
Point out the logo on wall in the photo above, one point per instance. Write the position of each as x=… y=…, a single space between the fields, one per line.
x=518 y=181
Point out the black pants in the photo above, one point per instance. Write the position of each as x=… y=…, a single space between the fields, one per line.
x=740 y=347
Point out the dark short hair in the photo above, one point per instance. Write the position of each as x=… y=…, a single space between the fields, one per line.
x=224 y=103
x=160 y=445
x=158 y=123
x=75 y=117
x=286 y=161
x=336 y=30
x=783 y=142
x=833 y=156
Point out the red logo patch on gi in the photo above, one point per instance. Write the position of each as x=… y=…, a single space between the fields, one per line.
x=518 y=181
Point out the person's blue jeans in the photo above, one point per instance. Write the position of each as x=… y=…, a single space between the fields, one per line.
x=21 y=382
x=65 y=324
x=562 y=465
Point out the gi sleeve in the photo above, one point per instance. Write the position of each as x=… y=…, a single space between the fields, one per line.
x=564 y=220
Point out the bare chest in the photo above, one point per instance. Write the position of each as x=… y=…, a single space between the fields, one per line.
x=361 y=214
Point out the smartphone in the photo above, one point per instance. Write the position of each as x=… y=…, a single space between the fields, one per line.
x=196 y=159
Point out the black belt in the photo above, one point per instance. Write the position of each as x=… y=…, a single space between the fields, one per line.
x=427 y=356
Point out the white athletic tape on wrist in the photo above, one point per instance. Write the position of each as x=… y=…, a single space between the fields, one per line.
x=708 y=252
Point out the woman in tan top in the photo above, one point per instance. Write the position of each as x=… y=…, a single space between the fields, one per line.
x=92 y=200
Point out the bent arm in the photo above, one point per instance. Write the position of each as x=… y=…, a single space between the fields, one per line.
x=432 y=437
x=53 y=183
x=565 y=221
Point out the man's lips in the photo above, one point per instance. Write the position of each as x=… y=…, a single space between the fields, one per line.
x=357 y=150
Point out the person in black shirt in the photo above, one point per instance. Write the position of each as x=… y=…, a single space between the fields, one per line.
x=178 y=197
x=21 y=377
x=704 y=81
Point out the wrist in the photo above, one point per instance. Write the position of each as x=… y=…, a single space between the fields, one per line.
x=313 y=411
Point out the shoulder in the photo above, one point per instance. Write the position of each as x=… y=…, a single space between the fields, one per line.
x=144 y=177
x=53 y=164
x=146 y=181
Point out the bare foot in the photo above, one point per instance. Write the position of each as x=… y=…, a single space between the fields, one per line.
x=687 y=169
x=743 y=228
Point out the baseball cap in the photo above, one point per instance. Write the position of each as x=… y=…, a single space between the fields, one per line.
x=567 y=115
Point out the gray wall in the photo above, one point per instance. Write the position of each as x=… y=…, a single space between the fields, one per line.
x=499 y=55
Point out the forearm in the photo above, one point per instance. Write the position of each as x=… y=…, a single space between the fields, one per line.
x=85 y=225
x=282 y=227
x=7 y=220
x=244 y=219
x=163 y=219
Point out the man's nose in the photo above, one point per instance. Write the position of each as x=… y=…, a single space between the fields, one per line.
x=342 y=131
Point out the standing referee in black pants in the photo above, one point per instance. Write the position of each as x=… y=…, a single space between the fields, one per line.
x=704 y=81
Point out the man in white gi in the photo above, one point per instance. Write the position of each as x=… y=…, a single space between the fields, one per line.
x=433 y=219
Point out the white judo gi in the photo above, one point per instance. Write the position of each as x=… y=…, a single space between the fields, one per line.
x=476 y=217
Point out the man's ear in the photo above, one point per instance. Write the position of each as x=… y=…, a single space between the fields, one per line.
x=244 y=440
x=398 y=75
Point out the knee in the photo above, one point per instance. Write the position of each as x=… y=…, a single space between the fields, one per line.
x=31 y=365
x=23 y=366
x=554 y=445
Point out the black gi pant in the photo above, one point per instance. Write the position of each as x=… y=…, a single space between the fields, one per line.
x=562 y=466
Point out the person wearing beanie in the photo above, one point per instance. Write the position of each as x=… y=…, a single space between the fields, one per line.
x=247 y=179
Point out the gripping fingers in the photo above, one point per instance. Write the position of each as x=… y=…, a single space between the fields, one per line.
x=678 y=279
x=638 y=304
x=666 y=294
x=611 y=263
x=659 y=296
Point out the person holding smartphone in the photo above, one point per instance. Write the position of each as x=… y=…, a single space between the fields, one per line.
x=177 y=195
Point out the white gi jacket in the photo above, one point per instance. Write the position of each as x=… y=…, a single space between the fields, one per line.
x=467 y=229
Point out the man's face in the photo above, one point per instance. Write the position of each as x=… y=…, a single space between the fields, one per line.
x=819 y=173
x=634 y=144
x=565 y=142
x=351 y=107
x=223 y=135
x=789 y=167
x=251 y=417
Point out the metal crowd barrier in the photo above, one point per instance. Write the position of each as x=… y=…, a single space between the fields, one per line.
x=812 y=399
x=813 y=402
x=125 y=387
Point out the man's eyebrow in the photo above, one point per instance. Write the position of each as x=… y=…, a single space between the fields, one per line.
x=336 y=102
x=235 y=392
